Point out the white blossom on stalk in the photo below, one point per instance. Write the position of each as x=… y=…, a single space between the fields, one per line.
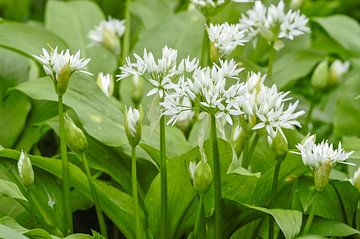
x=133 y=117
x=206 y=90
x=107 y=33
x=272 y=113
x=61 y=65
x=106 y=83
x=160 y=73
x=226 y=37
x=273 y=23
x=339 y=68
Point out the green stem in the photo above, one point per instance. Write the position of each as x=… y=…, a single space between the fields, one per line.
x=311 y=215
x=205 y=49
x=65 y=167
x=200 y=227
x=272 y=56
x=126 y=39
x=217 y=178
x=99 y=213
x=248 y=156
x=135 y=192
x=273 y=195
x=163 y=180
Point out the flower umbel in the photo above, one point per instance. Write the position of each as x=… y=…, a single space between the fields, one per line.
x=107 y=33
x=61 y=65
x=321 y=158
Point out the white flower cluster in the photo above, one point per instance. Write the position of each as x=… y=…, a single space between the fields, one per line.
x=159 y=73
x=273 y=23
x=226 y=37
x=314 y=155
x=108 y=33
x=56 y=63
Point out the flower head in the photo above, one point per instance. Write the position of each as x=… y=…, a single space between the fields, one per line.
x=273 y=23
x=108 y=33
x=226 y=37
x=106 y=83
x=61 y=65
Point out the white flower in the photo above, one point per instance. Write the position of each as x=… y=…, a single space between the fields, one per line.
x=51 y=201
x=160 y=73
x=105 y=83
x=314 y=155
x=273 y=23
x=226 y=37
x=339 y=68
x=55 y=62
x=108 y=33
x=133 y=116
x=272 y=114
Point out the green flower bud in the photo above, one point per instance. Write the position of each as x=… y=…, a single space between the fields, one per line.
x=201 y=175
x=25 y=170
x=278 y=44
x=279 y=145
x=75 y=138
x=63 y=79
x=214 y=53
x=238 y=136
x=320 y=75
x=321 y=175
x=133 y=123
x=111 y=41
x=137 y=89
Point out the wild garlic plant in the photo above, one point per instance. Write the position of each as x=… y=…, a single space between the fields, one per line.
x=59 y=66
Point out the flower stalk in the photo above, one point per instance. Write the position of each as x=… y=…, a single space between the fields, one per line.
x=272 y=56
x=205 y=49
x=250 y=152
x=163 y=180
x=217 y=178
x=135 y=192
x=200 y=226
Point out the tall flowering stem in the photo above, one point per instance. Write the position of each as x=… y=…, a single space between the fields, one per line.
x=65 y=166
x=126 y=39
x=217 y=178
x=272 y=56
x=200 y=226
x=99 y=213
x=248 y=153
x=163 y=180
x=205 y=49
x=274 y=188
x=135 y=192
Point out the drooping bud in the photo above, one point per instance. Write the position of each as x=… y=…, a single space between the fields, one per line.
x=355 y=180
x=137 y=89
x=133 y=124
x=321 y=175
x=201 y=174
x=319 y=79
x=75 y=137
x=106 y=83
x=25 y=170
x=279 y=145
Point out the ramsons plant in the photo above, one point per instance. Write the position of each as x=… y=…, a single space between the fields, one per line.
x=222 y=146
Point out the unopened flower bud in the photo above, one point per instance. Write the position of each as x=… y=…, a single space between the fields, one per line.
x=337 y=70
x=201 y=175
x=238 y=137
x=106 y=83
x=214 y=53
x=133 y=123
x=111 y=41
x=356 y=179
x=25 y=170
x=63 y=79
x=279 y=145
x=321 y=175
x=320 y=76
x=137 y=89
x=75 y=138
x=278 y=44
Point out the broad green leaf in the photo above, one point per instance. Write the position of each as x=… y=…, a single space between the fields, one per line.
x=15 y=108
x=11 y=190
x=289 y=221
x=342 y=29
x=8 y=233
x=117 y=205
x=72 y=21
x=331 y=228
x=37 y=233
x=27 y=39
x=293 y=65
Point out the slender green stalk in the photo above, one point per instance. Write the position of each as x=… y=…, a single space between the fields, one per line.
x=126 y=40
x=65 y=167
x=217 y=178
x=135 y=193
x=272 y=56
x=205 y=48
x=273 y=195
x=248 y=156
x=245 y=152
x=200 y=227
x=99 y=213
x=163 y=180
x=311 y=215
